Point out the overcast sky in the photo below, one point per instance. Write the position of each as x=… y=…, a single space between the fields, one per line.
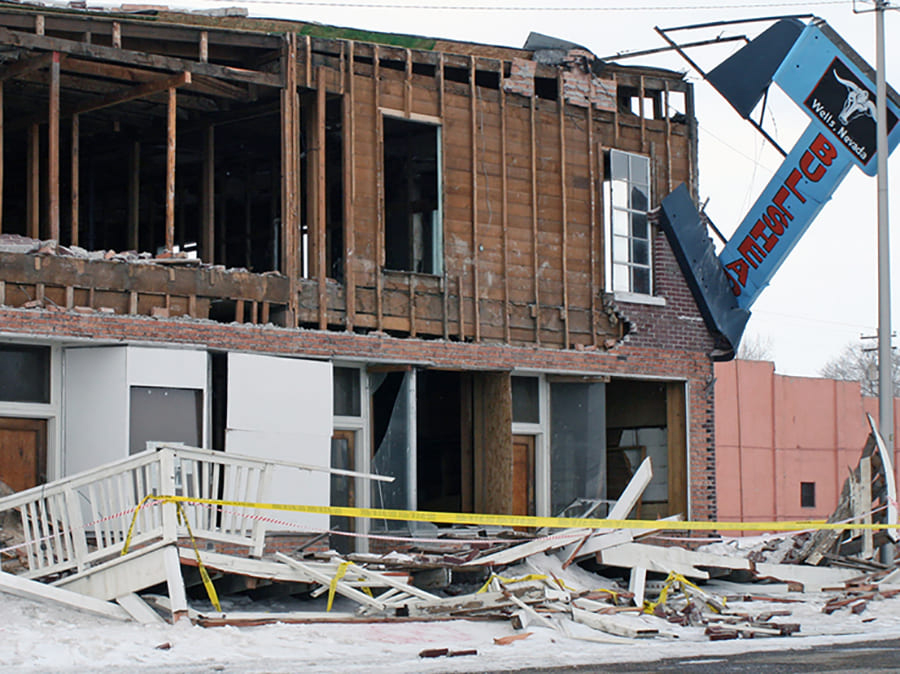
x=824 y=296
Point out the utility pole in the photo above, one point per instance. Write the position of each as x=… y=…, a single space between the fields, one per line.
x=885 y=380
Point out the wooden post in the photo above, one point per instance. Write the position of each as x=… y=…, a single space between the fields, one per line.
x=668 y=136
x=564 y=233
x=504 y=209
x=170 y=172
x=53 y=150
x=615 y=114
x=407 y=85
x=34 y=181
x=641 y=113
x=290 y=176
x=117 y=35
x=349 y=112
x=134 y=197
x=379 y=191
x=321 y=258
x=204 y=46
x=76 y=176
x=592 y=221
x=476 y=295
x=445 y=285
x=534 y=227
x=39 y=24
x=208 y=214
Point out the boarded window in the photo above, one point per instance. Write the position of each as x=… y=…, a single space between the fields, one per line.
x=165 y=415
x=629 y=202
x=25 y=373
x=413 y=236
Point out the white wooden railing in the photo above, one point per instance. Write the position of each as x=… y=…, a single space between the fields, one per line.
x=74 y=523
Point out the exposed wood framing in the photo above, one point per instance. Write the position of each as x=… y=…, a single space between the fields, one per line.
x=564 y=214
x=692 y=142
x=676 y=438
x=668 y=137
x=445 y=286
x=75 y=178
x=593 y=224
x=117 y=35
x=24 y=66
x=142 y=91
x=208 y=197
x=53 y=151
x=349 y=113
x=504 y=207
x=319 y=145
x=307 y=61
x=136 y=58
x=616 y=114
x=34 y=181
x=534 y=224
x=290 y=177
x=379 y=192
x=134 y=196
x=642 y=116
x=170 y=171
x=203 y=50
x=39 y=24
x=407 y=85
x=473 y=107
x=412 y=305
x=601 y=210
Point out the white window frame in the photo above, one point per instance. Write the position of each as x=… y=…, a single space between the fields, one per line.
x=540 y=432
x=359 y=426
x=616 y=238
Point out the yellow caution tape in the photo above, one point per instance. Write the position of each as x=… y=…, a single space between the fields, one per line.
x=332 y=587
x=532 y=521
x=510 y=581
x=671 y=580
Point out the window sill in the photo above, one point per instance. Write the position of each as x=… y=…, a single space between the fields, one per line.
x=637 y=298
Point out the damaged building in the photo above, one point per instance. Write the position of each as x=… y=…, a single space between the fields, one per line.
x=395 y=255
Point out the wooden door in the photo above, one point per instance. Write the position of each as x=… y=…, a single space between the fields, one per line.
x=23 y=452
x=343 y=488
x=523 y=475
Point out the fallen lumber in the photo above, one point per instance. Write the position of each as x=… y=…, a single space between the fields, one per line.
x=665 y=560
x=32 y=589
x=616 y=624
x=812 y=578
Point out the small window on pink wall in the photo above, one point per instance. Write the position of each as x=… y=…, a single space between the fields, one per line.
x=807 y=494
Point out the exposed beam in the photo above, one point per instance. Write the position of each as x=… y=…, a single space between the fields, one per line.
x=53 y=150
x=93 y=51
x=170 y=170
x=23 y=66
x=141 y=91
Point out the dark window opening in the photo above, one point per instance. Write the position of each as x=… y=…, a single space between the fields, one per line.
x=439 y=441
x=347 y=392
x=807 y=494
x=526 y=400
x=412 y=208
x=546 y=87
x=218 y=363
x=25 y=373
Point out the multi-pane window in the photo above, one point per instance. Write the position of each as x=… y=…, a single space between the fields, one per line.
x=629 y=202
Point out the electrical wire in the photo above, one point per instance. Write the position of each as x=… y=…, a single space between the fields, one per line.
x=502 y=8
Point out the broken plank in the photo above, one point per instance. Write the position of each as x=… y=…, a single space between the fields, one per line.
x=517 y=552
x=813 y=578
x=32 y=589
x=664 y=560
x=139 y=610
x=340 y=587
x=484 y=601
x=618 y=625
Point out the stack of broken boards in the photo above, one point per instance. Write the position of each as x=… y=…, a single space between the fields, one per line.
x=638 y=586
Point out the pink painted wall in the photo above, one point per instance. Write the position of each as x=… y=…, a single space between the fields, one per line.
x=774 y=432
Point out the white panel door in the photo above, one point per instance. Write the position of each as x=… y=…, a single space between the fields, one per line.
x=281 y=408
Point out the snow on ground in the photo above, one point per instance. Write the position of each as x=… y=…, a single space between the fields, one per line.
x=44 y=637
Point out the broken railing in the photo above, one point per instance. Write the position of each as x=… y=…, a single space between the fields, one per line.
x=72 y=524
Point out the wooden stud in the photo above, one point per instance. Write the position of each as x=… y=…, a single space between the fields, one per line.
x=676 y=432
x=132 y=302
x=462 y=308
x=349 y=111
x=264 y=313
x=170 y=171
x=192 y=306
x=134 y=197
x=412 y=305
x=668 y=136
x=564 y=229
x=53 y=151
x=239 y=311
x=407 y=85
x=76 y=178
x=204 y=47
x=116 y=34
x=379 y=191
x=445 y=284
x=615 y=113
x=291 y=252
x=473 y=100
x=593 y=225
x=319 y=145
x=504 y=209
x=208 y=204
x=39 y=24
x=534 y=226
x=70 y=298
x=601 y=209
x=133 y=93
x=692 y=152
x=308 y=62
x=641 y=113
x=34 y=181
x=254 y=312
x=2 y=292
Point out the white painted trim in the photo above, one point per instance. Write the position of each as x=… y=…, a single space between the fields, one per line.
x=639 y=298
